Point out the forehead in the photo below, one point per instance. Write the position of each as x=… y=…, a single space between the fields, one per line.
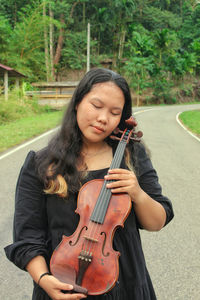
x=105 y=85
x=107 y=92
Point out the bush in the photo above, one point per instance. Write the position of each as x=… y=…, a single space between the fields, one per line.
x=19 y=106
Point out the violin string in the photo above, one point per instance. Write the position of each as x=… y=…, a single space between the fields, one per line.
x=105 y=193
x=101 y=208
x=102 y=203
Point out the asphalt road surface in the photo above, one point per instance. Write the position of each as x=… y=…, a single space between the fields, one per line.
x=173 y=254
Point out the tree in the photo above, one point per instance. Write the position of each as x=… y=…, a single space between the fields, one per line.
x=25 y=50
x=137 y=70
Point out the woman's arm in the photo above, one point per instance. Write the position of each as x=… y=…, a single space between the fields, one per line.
x=53 y=287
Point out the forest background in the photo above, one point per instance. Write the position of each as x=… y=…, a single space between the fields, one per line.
x=154 y=44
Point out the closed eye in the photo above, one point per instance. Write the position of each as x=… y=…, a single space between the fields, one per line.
x=116 y=113
x=96 y=106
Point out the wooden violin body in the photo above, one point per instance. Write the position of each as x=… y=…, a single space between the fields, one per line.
x=91 y=241
x=86 y=259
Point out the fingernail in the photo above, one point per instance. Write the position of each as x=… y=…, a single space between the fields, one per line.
x=70 y=286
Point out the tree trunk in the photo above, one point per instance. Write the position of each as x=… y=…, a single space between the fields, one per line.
x=61 y=35
x=83 y=14
x=60 y=41
x=121 y=44
x=46 y=43
x=51 y=30
x=138 y=93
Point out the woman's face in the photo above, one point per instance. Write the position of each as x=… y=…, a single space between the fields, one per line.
x=99 y=112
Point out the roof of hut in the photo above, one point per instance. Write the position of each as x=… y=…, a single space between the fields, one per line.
x=11 y=71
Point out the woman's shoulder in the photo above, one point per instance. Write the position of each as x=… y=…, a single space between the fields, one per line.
x=33 y=156
x=30 y=159
x=29 y=168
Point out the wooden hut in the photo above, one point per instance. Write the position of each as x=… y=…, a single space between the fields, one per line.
x=7 y=72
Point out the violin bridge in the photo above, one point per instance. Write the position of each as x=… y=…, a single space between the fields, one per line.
x=91 y=239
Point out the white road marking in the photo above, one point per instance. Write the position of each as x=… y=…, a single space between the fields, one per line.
x=142 y=111
x=28 y=143
x=179 y=122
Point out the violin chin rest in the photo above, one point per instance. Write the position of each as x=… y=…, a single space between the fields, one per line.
x=67 y=275
x=79 y=289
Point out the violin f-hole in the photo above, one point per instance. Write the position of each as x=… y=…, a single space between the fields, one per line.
x=104 y=242
x=71 y=243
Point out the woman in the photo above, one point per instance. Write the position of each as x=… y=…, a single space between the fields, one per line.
x=50 y=179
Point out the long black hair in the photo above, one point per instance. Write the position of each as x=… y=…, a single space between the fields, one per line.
x=64 y=149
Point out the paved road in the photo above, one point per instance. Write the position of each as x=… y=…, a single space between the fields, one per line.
x=173 y=254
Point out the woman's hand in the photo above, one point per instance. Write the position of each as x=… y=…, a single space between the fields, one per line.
x=150 y=213
x=54 y=288
x=125 y=182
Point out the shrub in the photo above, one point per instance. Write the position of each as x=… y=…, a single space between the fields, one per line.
x=18 y=106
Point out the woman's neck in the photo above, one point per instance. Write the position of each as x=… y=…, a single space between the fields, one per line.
x=94 y=148
x=96 y=157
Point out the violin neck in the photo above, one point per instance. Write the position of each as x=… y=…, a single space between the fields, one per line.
x=119 y=153
x=103 y=200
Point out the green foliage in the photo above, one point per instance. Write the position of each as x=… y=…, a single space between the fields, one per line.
x=24 y=51
x=19 y=106
x=5 y=32
x=74 y=52
x=154 y=18
x=162 y=89
x=152 y=42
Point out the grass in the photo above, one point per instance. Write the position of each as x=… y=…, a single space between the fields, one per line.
x=14 y=133
x=22 y=118
x=191 y=119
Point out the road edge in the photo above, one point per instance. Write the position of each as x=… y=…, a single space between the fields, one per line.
x=185 y=128
x=28 y=143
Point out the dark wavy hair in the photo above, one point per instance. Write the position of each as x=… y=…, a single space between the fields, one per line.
x=64 y=148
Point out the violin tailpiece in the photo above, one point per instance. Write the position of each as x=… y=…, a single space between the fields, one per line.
x=85 y=258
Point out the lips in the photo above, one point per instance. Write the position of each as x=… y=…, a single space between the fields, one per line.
x=99 y=128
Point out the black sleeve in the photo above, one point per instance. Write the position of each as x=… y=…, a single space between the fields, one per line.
x=30 y=219
x=148 y=180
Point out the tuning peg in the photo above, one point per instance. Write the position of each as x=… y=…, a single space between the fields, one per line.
x=131 y=122
x=117 y=130
x=135 y=139
x=139 y=134
x=113 y=137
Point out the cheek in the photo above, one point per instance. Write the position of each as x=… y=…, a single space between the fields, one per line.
x=116 y=122
x=83 y=116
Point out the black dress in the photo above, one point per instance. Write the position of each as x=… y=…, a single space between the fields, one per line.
x=40 y=221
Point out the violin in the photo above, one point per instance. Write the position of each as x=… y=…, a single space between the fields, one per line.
x=86 y=259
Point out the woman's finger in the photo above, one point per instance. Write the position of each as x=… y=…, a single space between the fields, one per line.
x=119 y=171
x=115 y=184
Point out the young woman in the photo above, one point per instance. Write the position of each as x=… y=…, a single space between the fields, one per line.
x=49 y=182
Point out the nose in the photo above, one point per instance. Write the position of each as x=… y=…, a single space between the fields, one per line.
x=103 y=117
